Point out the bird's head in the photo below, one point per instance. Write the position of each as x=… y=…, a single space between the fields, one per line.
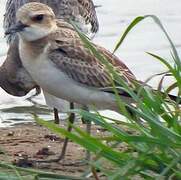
x=34 y=21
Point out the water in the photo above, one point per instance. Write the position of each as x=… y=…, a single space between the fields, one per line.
x=114 y=17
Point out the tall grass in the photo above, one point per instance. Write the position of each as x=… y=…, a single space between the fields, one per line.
x=150 y=142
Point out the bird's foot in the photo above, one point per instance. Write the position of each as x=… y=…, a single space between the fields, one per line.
x=56 y=160
x=30 y=99
x=62 y=162
x=76 y=163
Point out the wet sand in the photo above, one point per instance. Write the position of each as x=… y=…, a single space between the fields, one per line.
x=22 y=145
x=114 y=17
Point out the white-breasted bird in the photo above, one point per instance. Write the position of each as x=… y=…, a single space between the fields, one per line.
x=54 y=55
x=15 y=79
x=82 y=12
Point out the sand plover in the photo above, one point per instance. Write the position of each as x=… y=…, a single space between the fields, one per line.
x=57 y=60
x=14 y=78
x=82 y=12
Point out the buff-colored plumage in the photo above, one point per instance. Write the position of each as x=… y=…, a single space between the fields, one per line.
x=72 y=72
x=81 y=12
x=14 y=78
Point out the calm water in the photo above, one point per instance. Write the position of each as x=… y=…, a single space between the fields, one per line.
x=114 y=17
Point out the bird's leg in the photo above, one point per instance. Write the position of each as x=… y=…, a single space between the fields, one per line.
x=64 y=148
x=69 y=129
x=38 y=91
x=56 y=116
x=88 y=130
x=88 y=155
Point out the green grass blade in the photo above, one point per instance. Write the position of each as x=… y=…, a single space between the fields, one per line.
x=129 y=28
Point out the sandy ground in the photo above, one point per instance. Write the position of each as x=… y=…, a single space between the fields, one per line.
x=24 y=143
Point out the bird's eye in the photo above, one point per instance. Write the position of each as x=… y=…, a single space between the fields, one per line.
x=38 y=18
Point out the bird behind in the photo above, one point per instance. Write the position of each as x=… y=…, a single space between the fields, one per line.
x=81 y=12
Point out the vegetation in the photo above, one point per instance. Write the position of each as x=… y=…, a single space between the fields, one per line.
x=151 y=140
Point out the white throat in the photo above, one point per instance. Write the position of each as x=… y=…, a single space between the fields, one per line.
x=34 y=33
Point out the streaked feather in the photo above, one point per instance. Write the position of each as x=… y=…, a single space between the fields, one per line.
x=70 y=55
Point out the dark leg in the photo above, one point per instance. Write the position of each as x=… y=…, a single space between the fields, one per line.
x=71 y=121
x=64 y=148
x=56 y=117
x=88 y=130
x=88 y=155
x=38 y=91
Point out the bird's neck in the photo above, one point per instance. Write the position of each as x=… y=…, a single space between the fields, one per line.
x=33 y=48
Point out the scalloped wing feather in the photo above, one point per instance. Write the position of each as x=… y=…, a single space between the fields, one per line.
x=71 y=57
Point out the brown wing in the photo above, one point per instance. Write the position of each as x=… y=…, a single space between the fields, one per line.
x=15 y=80
x=88 y=12
x=71 y=57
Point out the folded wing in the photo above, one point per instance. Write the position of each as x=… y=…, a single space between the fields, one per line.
x=71 y=57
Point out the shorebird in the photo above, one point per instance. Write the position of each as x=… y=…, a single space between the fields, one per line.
x=56 y=58
x=82 y=12
x=15 y=79
x=13 y=74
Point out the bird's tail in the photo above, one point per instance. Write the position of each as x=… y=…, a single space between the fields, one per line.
x=165 y=96
x=174 y=98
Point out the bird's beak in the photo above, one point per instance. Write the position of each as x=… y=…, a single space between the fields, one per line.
x=18 y=27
